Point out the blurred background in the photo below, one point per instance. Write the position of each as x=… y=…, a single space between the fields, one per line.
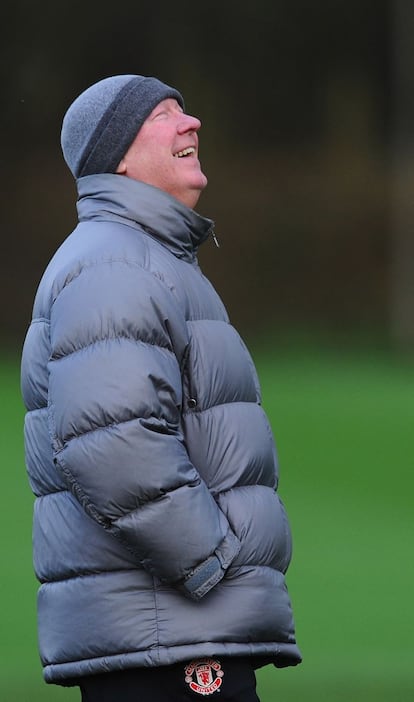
x=308 y=143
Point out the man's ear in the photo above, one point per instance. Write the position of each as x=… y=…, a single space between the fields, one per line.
x=122 y=167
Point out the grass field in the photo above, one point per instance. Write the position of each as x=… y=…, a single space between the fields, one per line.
x=344 y=427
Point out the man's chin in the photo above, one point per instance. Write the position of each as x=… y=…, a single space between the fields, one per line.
x=203 y=181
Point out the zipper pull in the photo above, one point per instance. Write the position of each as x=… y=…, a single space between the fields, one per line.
x=216 y=241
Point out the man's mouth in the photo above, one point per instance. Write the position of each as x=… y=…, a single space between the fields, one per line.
x=185 y=152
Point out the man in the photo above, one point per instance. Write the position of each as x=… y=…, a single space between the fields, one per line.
x=159 y=540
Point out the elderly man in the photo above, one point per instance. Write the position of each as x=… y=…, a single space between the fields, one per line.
x=159 y=539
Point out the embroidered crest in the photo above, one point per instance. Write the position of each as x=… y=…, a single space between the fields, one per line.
x=204 y=676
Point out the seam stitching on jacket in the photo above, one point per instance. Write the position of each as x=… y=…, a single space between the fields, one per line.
x=101 y=428
x=221 y=404
x=150 y=501
x=87 y=574
x=40 y=320
x=157 y=630
x=73 y=275
x=112 y=338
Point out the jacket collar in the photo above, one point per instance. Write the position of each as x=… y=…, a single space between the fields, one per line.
x=118 y=198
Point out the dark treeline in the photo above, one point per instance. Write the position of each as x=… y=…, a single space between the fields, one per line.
x=296 y=108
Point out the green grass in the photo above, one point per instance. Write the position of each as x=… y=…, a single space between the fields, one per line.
x=343 y=424
x=344 y=429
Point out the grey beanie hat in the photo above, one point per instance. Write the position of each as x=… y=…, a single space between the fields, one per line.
x=103 y=121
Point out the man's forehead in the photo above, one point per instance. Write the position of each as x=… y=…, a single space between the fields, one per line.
x=167 y=104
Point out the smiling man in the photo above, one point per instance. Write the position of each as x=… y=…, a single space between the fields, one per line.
x=160 y=541
x=164 y=153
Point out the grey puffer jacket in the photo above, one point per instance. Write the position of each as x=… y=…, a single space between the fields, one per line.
x=158 y=532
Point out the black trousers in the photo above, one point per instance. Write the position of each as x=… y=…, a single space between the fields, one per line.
x=216 y=679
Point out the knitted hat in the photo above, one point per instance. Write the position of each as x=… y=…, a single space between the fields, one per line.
x=103 y=121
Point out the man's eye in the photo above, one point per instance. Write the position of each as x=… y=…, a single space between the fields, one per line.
x=160 y=115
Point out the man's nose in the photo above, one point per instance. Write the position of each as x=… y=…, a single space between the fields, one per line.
x=189 y=123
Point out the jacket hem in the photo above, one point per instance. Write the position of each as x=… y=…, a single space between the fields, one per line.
x=264 y=653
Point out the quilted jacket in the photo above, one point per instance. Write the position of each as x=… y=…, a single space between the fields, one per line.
x=158 y=532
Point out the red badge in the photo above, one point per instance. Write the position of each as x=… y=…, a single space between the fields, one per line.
x=204 y=676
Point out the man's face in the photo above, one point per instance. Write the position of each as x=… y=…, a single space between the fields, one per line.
x=165 y=153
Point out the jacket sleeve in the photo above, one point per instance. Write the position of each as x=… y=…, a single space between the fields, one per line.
x=115 y=397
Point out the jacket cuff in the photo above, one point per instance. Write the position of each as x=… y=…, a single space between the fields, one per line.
x=203 y=578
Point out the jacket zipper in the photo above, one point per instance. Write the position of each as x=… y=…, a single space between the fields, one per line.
x=216 y=241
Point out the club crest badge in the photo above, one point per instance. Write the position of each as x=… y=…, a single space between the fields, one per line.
x=204 y=676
